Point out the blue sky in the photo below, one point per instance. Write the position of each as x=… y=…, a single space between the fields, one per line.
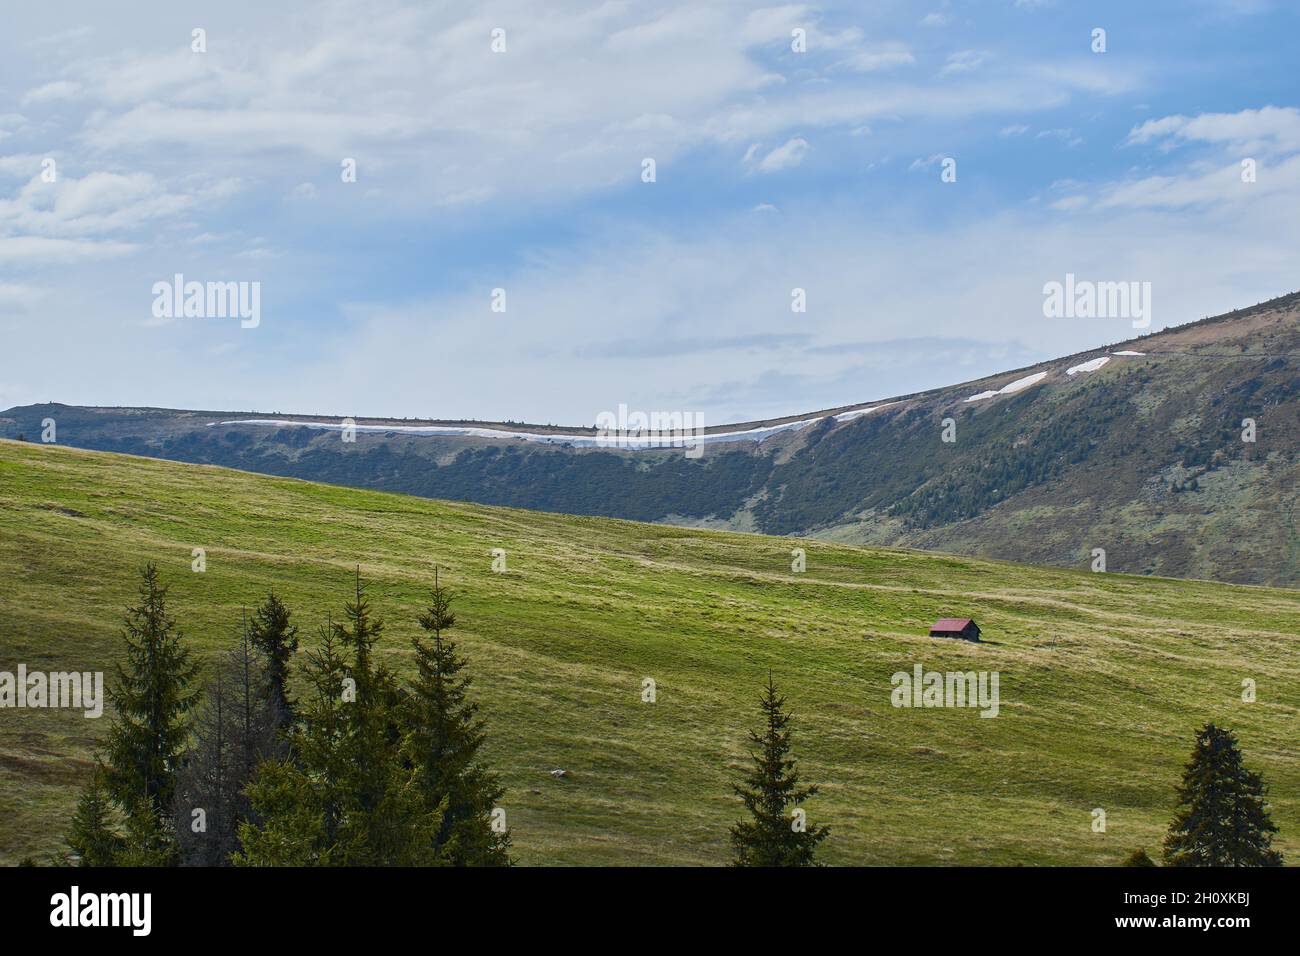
x=521 y=170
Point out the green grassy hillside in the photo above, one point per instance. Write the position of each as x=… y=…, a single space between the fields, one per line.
x=1104 y=678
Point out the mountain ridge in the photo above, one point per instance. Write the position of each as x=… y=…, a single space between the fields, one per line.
x=1144 y=455
x=1286 y=299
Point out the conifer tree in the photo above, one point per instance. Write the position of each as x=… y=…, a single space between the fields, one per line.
x=290 y=828
x=1222 y=819
x=301 y=805
x=151 y=698
x=149 y=839
x=237 y=729
x=774 y=835
x=93 y=836
x=347 y=789
x=318 y=745
x=276 y=637
x=380 y=812
x=443 y=744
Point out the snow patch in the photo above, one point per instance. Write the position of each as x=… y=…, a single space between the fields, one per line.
x=1126 y=352
x=628 y=443
x=1090 y=366
x=1018 y=385
x=856 y=413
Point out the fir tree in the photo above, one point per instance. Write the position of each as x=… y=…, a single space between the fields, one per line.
x=277 y=639
x=237 y=729
x=93 y=836
x=1222 y=819
x=774 y=835
x=443 y=745
x=301 y=805
x=347 y=790
x=318 y=745
x=378 y=818
x=151 y=698
x=148 y=840
x=290 y=829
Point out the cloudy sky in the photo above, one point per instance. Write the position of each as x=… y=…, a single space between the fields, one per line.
x=126 y=157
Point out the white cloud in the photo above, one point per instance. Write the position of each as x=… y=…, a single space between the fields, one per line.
x=870 y=61
x=1070 y=203
x=51 y=92
x=1202 y=186
x=1266 y=139
x=33 y=251
x=963 y=61
x=1263 y=130
x=786 y=156
x=97 y=204
x=444 y=131
x=656 y=286
x=10 y=123
x=415 y=93
x=22 y=165
x=1066 y=135
x=15 y=297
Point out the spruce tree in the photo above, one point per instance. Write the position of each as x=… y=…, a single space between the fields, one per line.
x=318 y=744
x=347 y=788
x=93 y=836
x=443 y=744
x=290 y=827
x=378 y=817
x=273 y=634
x=237 y=729
x=301 y=805
x=151 y=698
x=1222 y=819
x=149 y=838
x=774 y=835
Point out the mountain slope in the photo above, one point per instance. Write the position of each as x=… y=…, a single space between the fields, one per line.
x=1141 y=455
x=1103 y=678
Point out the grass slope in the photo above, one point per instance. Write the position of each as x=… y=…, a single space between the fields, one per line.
x=1104 y=678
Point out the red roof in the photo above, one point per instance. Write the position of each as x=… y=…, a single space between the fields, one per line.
x=951 y=624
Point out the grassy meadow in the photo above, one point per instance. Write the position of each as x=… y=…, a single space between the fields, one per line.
x=1104 y=678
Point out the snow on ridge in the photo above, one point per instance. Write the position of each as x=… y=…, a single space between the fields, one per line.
x=1018 y=385
x=1022 y=383
x=857 y=412
x=1090 y=366
x=627 y=443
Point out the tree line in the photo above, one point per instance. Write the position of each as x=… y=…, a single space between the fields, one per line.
x=370 y=770
x=365 y=770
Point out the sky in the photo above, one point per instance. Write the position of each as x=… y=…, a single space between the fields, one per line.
x=500 y=153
